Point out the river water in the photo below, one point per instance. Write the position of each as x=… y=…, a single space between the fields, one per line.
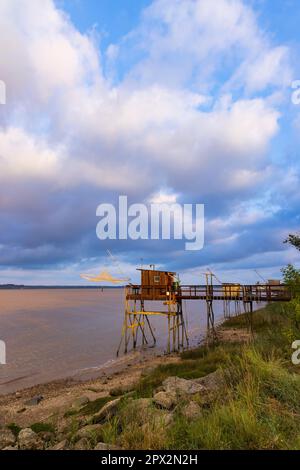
x=52 y=334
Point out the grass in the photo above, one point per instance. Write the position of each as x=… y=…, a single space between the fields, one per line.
x=42 y=427
x=259 y=407
x=260 y=410
x=194 y=364
x=71 y=412
x=15 y=429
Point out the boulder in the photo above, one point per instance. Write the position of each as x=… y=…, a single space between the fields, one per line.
x=81 y=401
x=82 y=444
x=62 y=445
x=46 y=436
x=165 y=400
x=162 y=418
x=213 y=381
x=178 y=386
x=34 y=400
x=107 y=411
x=91 y=432
x=139 y=411
x=143 y=413
x=191 y=411
x=103 y=446
x=7 y=438
x=29 y=440
x=122 y=389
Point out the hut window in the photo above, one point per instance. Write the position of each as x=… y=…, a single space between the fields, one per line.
x=157 y=279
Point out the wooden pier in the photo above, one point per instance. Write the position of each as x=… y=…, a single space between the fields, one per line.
x=162 y=287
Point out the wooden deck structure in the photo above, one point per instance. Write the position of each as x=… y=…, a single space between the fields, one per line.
x=163 y=287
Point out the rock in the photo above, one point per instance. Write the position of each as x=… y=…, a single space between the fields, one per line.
x=34 y=400
x=140 y=409
x=82 y=444
x=62 y=445
x=180 y=386
x=46 y=436
x=155 y=421
x=103 y=446
x=10 y=448
x=162 y=418
x=92 y=432
x=213 y=381
x=7 y=438
x=213 y=384
x=21 y=410
x=141 y=412
x=83 y=421
x=81 y=401
x=29 y=440
x=107 y=411
x=165 y=400
x=18 y=395
x=191 y=411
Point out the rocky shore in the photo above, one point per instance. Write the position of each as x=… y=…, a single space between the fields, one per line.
x=53 y=406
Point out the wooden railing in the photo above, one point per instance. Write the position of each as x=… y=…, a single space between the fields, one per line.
x=255 y=292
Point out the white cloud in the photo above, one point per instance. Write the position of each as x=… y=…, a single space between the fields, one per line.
x=269 y=67
x=22 y=156
x=41 y=51
x=175 y=121
x=135 y=120
x=190 y=41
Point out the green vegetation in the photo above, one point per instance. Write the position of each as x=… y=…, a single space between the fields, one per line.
x=293 y=240
x=90 y=408
x=15 y=429
x=71 y=412
x=94 y=406
x=194 y=364
x=260 y=409
x=42 y=427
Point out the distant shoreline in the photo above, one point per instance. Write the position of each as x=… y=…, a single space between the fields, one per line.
x=20 y=287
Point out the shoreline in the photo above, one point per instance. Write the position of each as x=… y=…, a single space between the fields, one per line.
x=60 y=395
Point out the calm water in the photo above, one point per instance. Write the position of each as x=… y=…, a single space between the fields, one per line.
x=53 y=334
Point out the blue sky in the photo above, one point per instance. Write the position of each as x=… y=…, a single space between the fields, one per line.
x=114 y=18
x=188 y=100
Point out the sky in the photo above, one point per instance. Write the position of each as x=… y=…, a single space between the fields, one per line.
x=187 y=101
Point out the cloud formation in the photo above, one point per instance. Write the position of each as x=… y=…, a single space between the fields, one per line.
x=194 y=112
